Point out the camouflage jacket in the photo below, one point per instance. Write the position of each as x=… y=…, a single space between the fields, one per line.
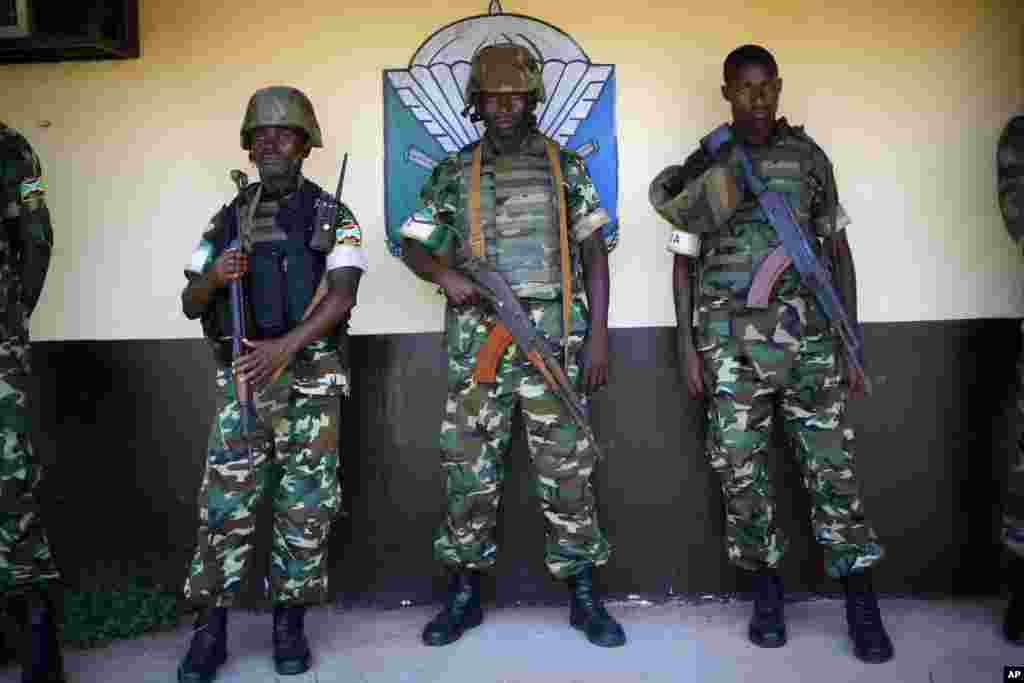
x=735 y=243
x=26 y=218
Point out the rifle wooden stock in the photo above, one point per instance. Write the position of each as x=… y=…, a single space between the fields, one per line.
x=510 y=312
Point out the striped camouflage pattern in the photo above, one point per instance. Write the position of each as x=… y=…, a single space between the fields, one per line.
x=746 y=377
x=476 y=434
x=783 y=356
x=25 y=557
x=296 y=466
x=1010 y=176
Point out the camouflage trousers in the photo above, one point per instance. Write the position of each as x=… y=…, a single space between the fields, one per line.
x=1013 y=510
x=296 y=466
x=746 y=379
x=25 y=559
x=476 y=433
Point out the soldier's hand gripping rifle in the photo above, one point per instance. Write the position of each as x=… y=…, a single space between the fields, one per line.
x=249 y=419
x=495 y=289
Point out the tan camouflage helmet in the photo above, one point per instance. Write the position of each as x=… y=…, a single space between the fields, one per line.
x=281 y=105
x=505 y=67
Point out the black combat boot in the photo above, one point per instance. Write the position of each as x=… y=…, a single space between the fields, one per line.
x=587 y=613
x=209 y=648
x=462 y=610
x=768 y=623
x=291 y=649
x=870 y=641
x=1013 y=621
x=41 y=661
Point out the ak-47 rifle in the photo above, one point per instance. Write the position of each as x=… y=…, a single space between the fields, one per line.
x=250 y=420
x=495 y=289
x=796 y=250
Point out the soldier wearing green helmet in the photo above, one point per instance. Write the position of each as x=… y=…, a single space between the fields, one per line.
x=529 y=207
x=300 y=267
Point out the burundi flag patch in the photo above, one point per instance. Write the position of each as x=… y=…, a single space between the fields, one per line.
x=32 y=187
x=350 y=234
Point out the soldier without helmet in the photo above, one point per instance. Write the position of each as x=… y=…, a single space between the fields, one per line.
x=750 y=356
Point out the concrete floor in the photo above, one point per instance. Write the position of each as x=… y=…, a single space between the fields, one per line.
x=937 y=641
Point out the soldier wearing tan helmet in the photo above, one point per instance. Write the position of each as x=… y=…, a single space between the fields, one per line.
x=300 y=271
x=530 y=209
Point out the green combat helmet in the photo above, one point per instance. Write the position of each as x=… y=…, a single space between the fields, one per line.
x=280 y=105
x=504 y=68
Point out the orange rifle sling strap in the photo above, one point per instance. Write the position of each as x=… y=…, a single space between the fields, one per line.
x=476 y=234
x=563 y=236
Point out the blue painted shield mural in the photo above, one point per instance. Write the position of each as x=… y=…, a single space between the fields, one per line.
x=423 y=106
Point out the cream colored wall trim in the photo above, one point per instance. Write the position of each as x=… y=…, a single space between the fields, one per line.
x=908 y=101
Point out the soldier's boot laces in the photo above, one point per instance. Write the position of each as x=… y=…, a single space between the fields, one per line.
x=1013 y=620
x=209 y=647
x=870 y=641
x=291 y=649
x=462 y=610
x=41 y=661
x=768 y=624
x=587 y=612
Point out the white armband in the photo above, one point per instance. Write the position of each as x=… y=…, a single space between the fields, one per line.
x=684 y=243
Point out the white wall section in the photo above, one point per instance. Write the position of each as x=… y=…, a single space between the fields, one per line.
x=908 y=102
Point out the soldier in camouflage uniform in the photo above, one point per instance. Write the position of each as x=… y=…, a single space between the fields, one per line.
x=1010 y=179
x=27 y=569
x=519 y=221
x=746 y=362
x=301 y=236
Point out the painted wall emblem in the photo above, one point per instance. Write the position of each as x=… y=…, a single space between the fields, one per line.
x=423 y=106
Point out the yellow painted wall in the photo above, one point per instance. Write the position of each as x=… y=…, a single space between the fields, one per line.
x=908 y=99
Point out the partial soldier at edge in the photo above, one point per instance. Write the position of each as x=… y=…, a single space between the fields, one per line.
x=1010 y=192
x=301 y=280
x=28 y=572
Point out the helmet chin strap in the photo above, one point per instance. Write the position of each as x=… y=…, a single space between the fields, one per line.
x=280 y=177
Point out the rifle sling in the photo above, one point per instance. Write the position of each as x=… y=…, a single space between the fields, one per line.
x=563 y=237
